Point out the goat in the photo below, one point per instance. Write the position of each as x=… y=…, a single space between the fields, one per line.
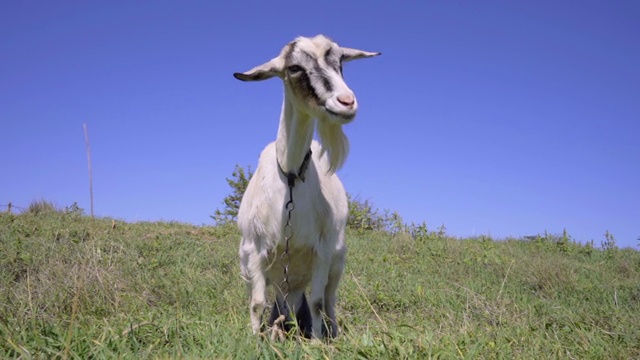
x=311 y=69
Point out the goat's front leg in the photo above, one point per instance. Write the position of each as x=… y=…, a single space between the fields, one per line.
x=255 y=278
x=258 y=300
x=319 y=281
x=330 y=292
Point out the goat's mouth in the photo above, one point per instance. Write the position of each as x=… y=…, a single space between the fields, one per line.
x=339 y=115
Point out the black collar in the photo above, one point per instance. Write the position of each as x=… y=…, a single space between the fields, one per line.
x=292 y=176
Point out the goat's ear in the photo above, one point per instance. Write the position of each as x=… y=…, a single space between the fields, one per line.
x=271 y=68
x=349 y=54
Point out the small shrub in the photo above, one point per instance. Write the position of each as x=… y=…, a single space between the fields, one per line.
x=563 y=242
x=419 y=232
x=238 y=182
x=40 y=207
x=609 y=245
x=364 y=216
x=397 y=224
x=74 y=210
x=587 y=249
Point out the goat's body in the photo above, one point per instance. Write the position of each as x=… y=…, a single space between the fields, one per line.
x=314 y=94
x=318 y=224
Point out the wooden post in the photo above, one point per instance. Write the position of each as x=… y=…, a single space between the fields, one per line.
x=9 y=208
x=86 y=139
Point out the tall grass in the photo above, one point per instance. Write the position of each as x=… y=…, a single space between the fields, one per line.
x=73 y=287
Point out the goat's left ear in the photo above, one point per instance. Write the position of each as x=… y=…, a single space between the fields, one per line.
x=349 y=54
x=271 y=68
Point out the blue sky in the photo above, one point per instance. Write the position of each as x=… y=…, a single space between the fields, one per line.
x=493 y=117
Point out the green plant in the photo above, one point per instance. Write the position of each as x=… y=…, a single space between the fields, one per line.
x=609 y=245
x=238 y=182
x=588 y=248
x=419 y=232
x=563 y=242
x=363 y=216
x=396 y=223
x=74 y=210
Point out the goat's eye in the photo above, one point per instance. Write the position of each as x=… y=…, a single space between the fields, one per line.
x=295 y=69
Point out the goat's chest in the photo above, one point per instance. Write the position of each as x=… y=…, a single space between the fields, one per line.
x=300 y=263
x=311 y=213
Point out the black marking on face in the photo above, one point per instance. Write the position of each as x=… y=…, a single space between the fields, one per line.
x=288 y=57
x=306 y=89
x=328 y=58
x=323 y=72
x=315 y=80
x=341 y=62
x=333 y=61
x=302 y=82
x=325 y=79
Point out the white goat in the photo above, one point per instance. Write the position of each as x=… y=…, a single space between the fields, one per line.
x=311 y=69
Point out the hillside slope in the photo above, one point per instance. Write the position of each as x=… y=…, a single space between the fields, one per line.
x=71 y=286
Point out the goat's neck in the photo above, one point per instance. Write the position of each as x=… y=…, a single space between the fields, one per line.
x=295 y=134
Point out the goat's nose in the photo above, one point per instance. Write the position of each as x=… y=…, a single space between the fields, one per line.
x=346 y=99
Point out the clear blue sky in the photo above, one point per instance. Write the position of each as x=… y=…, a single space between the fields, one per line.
x=503 y=118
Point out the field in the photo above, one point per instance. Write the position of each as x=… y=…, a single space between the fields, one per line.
x=76 y=287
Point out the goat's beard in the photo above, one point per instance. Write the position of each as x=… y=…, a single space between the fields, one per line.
x=334 y=143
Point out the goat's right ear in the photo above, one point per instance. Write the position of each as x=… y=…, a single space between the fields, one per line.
x=271 y=68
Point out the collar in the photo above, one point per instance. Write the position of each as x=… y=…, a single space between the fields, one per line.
x=292 y=176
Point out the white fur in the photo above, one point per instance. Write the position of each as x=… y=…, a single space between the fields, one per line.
x=317 y=248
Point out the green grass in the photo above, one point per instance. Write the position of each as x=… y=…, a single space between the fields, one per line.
x=73 y=287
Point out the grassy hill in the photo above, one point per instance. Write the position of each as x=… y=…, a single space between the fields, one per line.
x=73 y=287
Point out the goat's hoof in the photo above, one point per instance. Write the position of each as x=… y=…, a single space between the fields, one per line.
x=277 y=332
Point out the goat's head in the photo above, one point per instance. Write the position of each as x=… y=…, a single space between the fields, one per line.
x=311 y=69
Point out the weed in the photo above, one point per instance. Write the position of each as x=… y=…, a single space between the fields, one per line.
x=609 y=245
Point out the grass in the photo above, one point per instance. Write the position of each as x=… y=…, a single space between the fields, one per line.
x=73 y=287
